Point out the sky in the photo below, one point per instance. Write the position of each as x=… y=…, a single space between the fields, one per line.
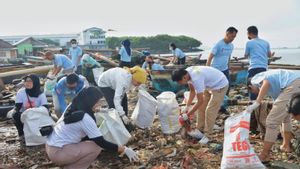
x=278 y=21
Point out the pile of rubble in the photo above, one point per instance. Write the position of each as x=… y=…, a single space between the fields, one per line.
x=156 y=150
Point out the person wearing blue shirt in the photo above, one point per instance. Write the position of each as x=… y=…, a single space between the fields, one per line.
x=125 y=54
x=66 y=89
x=257 y=51
x=75 y=52
x=177 y=54
x=150 y=64
x=281 y=85
x=62 y=64
x=221 y=53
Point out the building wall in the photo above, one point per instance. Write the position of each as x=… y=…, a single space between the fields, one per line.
x=8 y=53
x=24 y=49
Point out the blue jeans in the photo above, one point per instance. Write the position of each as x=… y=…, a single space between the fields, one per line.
x=251 y=73
x=181 y=61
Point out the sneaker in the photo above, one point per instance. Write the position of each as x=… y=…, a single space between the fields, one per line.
x=204 y=140
x=10 y=114
x=195 y=134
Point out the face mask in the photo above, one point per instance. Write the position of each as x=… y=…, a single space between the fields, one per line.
x=74 y=45
x=170 y=48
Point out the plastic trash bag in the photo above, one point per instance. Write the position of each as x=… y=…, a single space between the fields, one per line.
x=49 y=86
x=168 y=111
x=144 y=111
x=34 y=119
x=112 y=127
x=238 y=152
x=97 y=72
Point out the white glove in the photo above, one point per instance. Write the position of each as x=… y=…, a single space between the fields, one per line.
x=125 y=119
x=252 y=107
x=132 y=155
x=185 y=116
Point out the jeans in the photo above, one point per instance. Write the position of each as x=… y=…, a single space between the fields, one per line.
x=251 y=73
x=181 y=61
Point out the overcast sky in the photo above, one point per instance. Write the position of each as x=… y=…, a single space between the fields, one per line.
x=278 y=21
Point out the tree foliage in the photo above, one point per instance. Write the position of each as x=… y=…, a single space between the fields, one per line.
x=156 y=44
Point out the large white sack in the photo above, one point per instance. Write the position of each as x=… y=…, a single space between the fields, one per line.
x=168 y=111
x=144 y=111
x=97 y=72
x=112 y=127
x=33 y=119
x=238 y=152
x=49 y=86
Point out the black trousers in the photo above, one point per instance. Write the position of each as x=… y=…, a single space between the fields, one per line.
x=125 y=64
x=252 y=73
x=19 y=125
x=109 y=95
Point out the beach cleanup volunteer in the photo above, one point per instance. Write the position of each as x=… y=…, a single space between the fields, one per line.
x=177 y=54
x=280 y=85
x=125 y=54
x=115 y=82
x=65 y=90
x=88 y=64
x=75 y=53
x=150 y=64
x=29 y=96
x=257 y=51
x=76 y=141
x=209 y=85
x=62 y=64
x=219 y=56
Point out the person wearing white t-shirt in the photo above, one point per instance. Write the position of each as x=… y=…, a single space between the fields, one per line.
x=76 y=141
x=209 y=85
x=30 y=96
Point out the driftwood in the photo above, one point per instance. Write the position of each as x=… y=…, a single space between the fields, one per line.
x=38 y=69
x=101 y=57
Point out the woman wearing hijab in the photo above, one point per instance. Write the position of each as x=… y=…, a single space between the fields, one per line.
x=76 y=140
x=115 y=82
x=125 y=54
x=30 y=96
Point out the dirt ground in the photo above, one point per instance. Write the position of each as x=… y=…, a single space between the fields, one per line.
x=156 y=150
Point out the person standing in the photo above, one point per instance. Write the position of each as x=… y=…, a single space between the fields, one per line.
x=177 y=54
x=257 y=51
x=209 y=86
x=281 y=85
x=220 y=55
x=125 y=54
x=75 y=52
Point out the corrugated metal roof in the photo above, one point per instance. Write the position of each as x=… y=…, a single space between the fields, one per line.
x=4 y=44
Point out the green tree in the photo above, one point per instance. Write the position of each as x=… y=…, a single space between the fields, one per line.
x=158 y=43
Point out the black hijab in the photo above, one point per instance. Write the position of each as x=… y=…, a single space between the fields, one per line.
x=36 y=88
x=83 y=102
